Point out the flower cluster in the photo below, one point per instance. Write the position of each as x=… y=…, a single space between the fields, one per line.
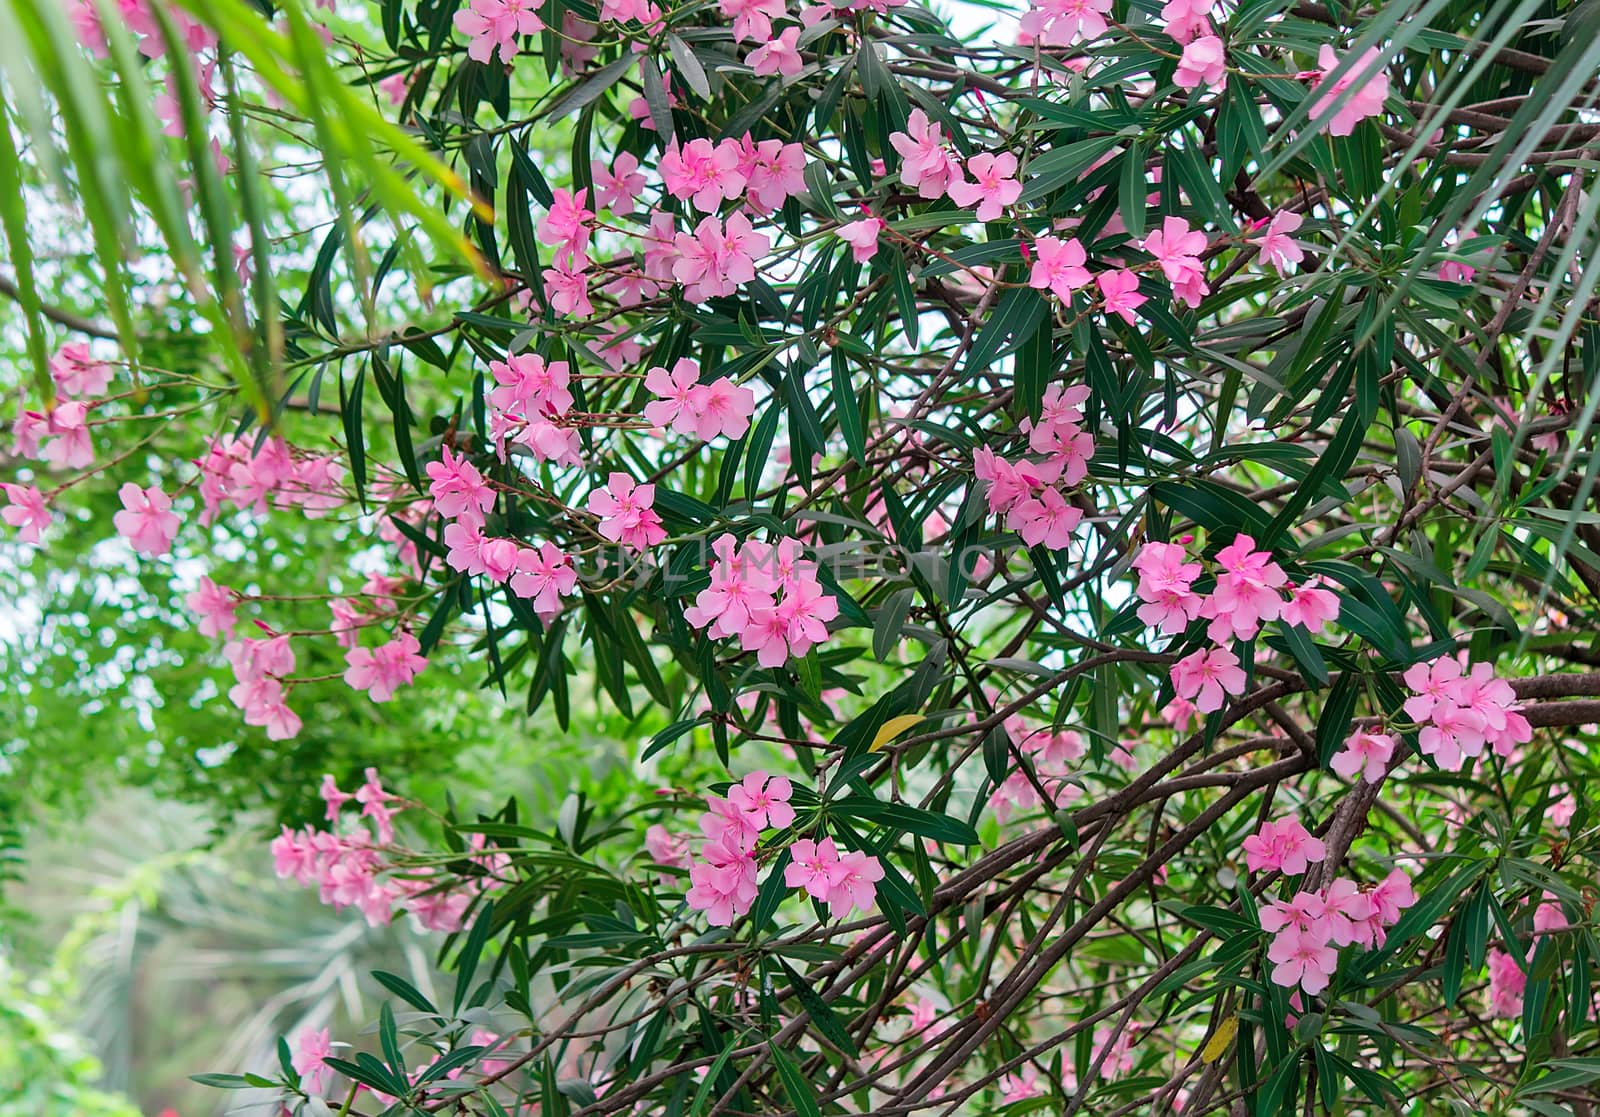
x=722 y=881
x=692 y=408
x=350 y=866
x=1308 y=930
x=1029 y=493
x=1249 y=590
x=250 y=473
x=1051 y=752
x=767 y=596
x=1462 y=708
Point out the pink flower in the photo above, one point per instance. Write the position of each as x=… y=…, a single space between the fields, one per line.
x=569 y=222
x=77 y=373
x=1247 y=591
x=146 y=521
x=1206 y=676
x=765 y=802
x=69 y=444
x=713 y=260
x=667 y=848
x=1311 y=606
x=1302 y=958
x=1366 y=753
x=1204 y=62
x=703 y=173
x=385 y=668
x=994 y=185
x=1045 y=520
x=926 y=166
x=1507 y=981
x=375 y=802
x=626 y=512
x=312 y=1049
x=778 y=56
x=752 y=19
x=214 y=605
x=529 y=386
x=1120 y=290
x=1284 y=845
x=776 y=172
x=497 y=24
x=1164 y=581
x=457 y=488
x=862 y=237
x=1347 y=913
x=813 y=866
x=567 y=288
x=738 y=586
x=1277 y=247
x=544 y=575
x=616 y=189
x=27 y=511
x=1371 y=90
x=723 y=883
x=1061 y=23
x=1058 y=266
x=1177 y=249
x=28 y=430
x=853 y=883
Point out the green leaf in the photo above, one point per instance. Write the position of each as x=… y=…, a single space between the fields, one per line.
x=927 y=824
x=794 y=1083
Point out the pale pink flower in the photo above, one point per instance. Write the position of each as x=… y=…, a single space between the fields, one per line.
x=77 y=373
x=27 y=511
x=1371 y=90
x=926 y=166
x=1276 y=245
x=764 y=801
x=778 y=56
x=496 y=25
x=1204 y=63
x=214 y=605
x=1285 y=846
x=384 y=669
x=146 y=521
x=1058 y=266
x=1120 y=291
x=862 y=237
x=626 y=513
x=1302 y=958
x=994 y=185
x=1365 y=753
x=617 y=188
x=1206 y=676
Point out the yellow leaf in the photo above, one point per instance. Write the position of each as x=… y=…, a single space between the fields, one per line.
x=892 y=729
x=1218 y=1043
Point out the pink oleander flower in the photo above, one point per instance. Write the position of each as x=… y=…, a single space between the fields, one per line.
x=776 y=172
x=626 y=513
x=1045 y=520
x=702 y=173
x=1164 y=587
x=1371 y=85
x=1247 y=591
x=1206 y=676
x=146 y=521
x=214 y=605
x=1276 y=245
x=1204 y=63
x=853 y=883
x=27 y=511
x=1310 y=605
x=862 y=237
x=1347 y=913
x=994 y=185
x=1058 y=266
x=1177 y=249
x=722 y=883
x=740 y=584
x=77 y=373
x=1062 y=23
x=569 y=222
x=458 y=489
x=1365 y=753
x=812 y=866
x=544 y=575
x=567 y=288
x=721 y=408
x=309 y=1060
x=778 y=56
x=792 y=627
x=617 y=188
x=384 y=669
x=667 y=848
x=764 y=801
x=1119 y=290
x=1285 y=846
x=926 y=165
x=715 y=259
x=752 y=19
x=1507 y=982
x=496 y=25
x=1302 y=958
x=69 y=444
